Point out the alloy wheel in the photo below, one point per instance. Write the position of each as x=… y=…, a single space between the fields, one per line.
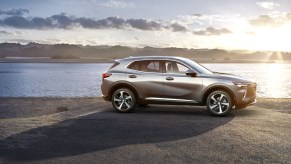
x=122 y=100
x=219 y=103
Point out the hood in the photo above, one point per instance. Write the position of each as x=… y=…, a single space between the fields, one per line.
x=226 y=76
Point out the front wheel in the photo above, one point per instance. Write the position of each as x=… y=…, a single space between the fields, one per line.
x=219 y=103
x=123 y=100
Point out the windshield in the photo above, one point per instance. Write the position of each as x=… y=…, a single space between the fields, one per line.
x=197 y=67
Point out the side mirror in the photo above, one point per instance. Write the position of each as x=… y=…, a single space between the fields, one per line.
x=191 y=73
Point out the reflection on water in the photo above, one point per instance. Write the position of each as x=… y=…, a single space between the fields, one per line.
x=38 y=80
x=45 y=79
x=275 y=80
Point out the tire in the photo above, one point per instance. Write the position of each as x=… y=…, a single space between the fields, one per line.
x=219 y=103
x=123 y=100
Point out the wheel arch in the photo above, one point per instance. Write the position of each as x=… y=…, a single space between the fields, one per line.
x=122 y=85
x=211 y=89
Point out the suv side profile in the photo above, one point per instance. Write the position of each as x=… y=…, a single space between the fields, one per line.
x=134 y=81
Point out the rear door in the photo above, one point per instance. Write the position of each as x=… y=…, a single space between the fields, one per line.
x=147 y=77
x=178 y=87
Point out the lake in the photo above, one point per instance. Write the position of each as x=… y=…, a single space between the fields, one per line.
x=82 y=80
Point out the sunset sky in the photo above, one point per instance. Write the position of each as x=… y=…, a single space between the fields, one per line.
x=226 y=24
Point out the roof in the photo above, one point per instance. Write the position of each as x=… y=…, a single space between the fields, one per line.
x=154 y=57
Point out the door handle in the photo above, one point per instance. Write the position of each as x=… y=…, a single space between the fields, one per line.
x=169 y=78
x=131 y=76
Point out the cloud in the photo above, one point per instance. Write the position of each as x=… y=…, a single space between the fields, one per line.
x=206 y=19
x=197 y=15
x=21 y=22
x=271 y=20
x=26 y=41
x=110 y=22
x=16 y=33
x=64 y=21
x=118 y=23
x=15 y=12
x=117 y=4
x=263 y=20
x=176 y=27
x=212 y=31
x=143 y=24
x=268 y=5
x=58 y=21
x=5 y=33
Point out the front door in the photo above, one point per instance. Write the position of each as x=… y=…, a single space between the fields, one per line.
x=178 y=87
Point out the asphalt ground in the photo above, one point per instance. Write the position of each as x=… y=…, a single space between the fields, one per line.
x=88 y=130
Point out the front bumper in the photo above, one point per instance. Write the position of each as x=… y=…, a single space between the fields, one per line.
x=246 y=96
x=245 y=104
x=106 y=98
x=252 y=103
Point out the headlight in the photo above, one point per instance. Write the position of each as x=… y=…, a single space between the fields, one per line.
x=242 y=84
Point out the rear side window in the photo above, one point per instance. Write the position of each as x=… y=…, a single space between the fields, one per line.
x=146 y=66
x=114 y=65
x=134 y=66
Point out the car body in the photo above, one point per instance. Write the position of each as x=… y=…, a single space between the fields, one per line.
x=174 y=80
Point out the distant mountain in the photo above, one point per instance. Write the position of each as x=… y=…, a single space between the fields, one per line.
x=113 y=52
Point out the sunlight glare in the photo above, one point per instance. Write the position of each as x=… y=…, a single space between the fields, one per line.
x=274 y=80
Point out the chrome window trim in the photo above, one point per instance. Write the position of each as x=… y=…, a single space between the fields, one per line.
x=126 y=66
x=178 y=61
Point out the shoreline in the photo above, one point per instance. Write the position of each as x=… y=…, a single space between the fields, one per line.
x=267 y=103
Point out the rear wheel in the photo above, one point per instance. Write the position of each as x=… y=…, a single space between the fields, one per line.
x=219 y=103
x=123 y=100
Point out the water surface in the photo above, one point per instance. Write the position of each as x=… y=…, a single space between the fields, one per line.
x=79 y=80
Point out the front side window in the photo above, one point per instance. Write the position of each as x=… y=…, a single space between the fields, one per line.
x=197 y=67
x=175 y=67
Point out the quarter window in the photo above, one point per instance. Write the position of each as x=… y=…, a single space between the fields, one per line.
x=114 y=65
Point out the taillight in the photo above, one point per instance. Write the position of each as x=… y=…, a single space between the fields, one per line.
x=105 y=75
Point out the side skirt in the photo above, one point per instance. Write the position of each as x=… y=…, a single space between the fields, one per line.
x=155 y=100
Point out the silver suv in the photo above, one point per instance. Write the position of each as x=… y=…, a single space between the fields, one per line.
x=173 y=80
